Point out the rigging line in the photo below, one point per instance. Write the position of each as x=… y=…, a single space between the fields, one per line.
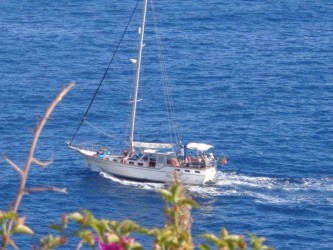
x=173 y=128
x=169 y=101
x=105 y=73
x=100 y=130
x=163 y=70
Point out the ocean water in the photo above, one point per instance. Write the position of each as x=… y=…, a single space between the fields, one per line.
x=253 y=78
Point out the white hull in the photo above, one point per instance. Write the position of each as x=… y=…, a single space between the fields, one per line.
x=153 y=162
x=140 y=170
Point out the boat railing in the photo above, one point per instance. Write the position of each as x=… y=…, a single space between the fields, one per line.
x=87 y=146
x=198 y=162
x=97 y=148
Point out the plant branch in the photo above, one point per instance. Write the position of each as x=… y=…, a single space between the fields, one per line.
x=40 y=163
x=30 y=158
x=17 y=168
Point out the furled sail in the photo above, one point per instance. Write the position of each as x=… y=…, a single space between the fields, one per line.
x=153 y=145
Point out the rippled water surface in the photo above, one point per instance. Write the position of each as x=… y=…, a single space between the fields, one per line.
x=252 y=78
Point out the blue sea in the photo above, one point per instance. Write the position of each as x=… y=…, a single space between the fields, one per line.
x=254 y=78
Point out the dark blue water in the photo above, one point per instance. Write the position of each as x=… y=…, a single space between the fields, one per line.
x=252 y=78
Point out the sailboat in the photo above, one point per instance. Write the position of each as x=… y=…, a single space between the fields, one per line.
x=152 y=161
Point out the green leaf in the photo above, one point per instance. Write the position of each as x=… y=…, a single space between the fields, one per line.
x=155 y=232
x=110 y=238
x=135 y=246
x=50 y=242
x=176 y=190
x=257 y=243
x=211 y=238
x=224 y=232
x=204 y=247
x=5 y=216
x=88 y=216
x=234 y=238
x=100 y=227
x=128 y=226
x=189 y=202
x=76 y=216
x=23 y=229
x=166 y=194
x=57 y=227
x=87 y=237
x=115 y=225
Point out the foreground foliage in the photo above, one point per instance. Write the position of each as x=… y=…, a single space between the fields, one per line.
x=107 y=234
x=113 y=235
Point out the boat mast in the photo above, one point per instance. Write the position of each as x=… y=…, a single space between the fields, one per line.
x=137 y=74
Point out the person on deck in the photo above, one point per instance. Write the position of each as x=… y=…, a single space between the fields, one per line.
x=125 y=157
x=182 y=153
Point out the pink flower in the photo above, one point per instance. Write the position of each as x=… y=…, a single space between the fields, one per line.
x=109 y=246
x=126 y=240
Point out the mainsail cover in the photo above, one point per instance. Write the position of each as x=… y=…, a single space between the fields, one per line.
x=152 y=145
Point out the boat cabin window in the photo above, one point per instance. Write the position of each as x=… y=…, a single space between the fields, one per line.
x=144 y=158
x=160 y=160
x=152 y=160
x=152 y=157
x=169 y=158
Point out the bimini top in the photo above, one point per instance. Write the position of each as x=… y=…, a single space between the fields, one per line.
x=199 y=146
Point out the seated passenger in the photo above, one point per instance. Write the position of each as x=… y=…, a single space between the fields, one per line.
x=101 y=153
x=125 y=157
x=188 y=159
x=174 y=162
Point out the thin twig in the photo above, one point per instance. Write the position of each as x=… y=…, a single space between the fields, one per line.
x=17 y=168
x=79 y=245
x=30 y=158
x=40 y=163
